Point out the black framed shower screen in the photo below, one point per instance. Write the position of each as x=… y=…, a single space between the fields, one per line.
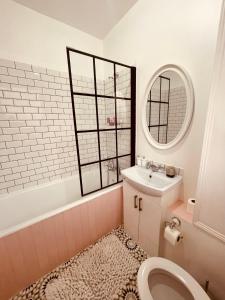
x=117 y=129
x=164 y=124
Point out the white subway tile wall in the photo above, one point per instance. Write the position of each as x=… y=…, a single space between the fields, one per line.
x=123 y=109
x=123 y=81
x=37 y=142
x=177 y=111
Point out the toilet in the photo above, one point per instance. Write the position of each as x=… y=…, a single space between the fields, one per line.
x=159 y=279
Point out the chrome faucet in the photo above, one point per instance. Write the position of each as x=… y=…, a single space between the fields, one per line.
x=155 y=167
x=110 y=165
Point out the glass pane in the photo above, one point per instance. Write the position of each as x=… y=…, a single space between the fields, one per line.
x=109 y=172
x=165 y=90
x=106 y=113
x=104 y=77
x=85 y=110
x=154 y=132
x=124 y=163
x=88 y=147
x=162 y=134
x=154 y=120
x=123 y=84
x=155 y=90
x=163 y=113
x=123 y=108
x=108 y=144
x=90 y=178
x=148 y=113
x=123 y=137
x=82 y=73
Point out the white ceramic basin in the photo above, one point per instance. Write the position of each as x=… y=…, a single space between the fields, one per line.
x=148 y=182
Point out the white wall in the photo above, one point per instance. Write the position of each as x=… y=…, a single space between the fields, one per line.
x=210 y=212
x=181 y=32
x=29 y=37
x=201 y=254
x=154 y=33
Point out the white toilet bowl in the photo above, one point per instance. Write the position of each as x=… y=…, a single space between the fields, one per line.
x=161 y=279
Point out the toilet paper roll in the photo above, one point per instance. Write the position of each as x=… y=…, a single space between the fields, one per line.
x=172 y=235
x=191 y=205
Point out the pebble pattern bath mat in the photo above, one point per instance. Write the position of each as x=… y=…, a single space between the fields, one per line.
x=103 y=271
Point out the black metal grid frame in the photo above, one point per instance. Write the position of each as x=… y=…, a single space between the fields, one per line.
x=132 y=127
x=150 y=101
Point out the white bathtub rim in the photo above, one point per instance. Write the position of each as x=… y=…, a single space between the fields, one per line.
x=38 y=186
x=56 y=211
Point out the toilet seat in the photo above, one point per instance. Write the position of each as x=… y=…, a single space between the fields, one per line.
x=180 y=274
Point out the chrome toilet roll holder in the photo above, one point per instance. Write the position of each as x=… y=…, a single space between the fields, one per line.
x=175 y=222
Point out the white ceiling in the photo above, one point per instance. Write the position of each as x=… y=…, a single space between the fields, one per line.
x=96 y=17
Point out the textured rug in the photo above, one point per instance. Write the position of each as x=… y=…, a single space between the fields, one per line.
x=106 y=270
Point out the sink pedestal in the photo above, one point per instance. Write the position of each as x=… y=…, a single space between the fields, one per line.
x=143 y=214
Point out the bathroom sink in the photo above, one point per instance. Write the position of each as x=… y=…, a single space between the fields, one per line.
x=148 y=182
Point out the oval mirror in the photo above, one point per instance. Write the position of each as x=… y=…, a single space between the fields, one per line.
x=168 y=107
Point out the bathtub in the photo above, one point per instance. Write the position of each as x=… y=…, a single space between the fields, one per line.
x=26 y=205
x=46 y=225
x=23 y=208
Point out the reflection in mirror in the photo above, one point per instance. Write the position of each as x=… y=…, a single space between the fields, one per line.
x=166 y=107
